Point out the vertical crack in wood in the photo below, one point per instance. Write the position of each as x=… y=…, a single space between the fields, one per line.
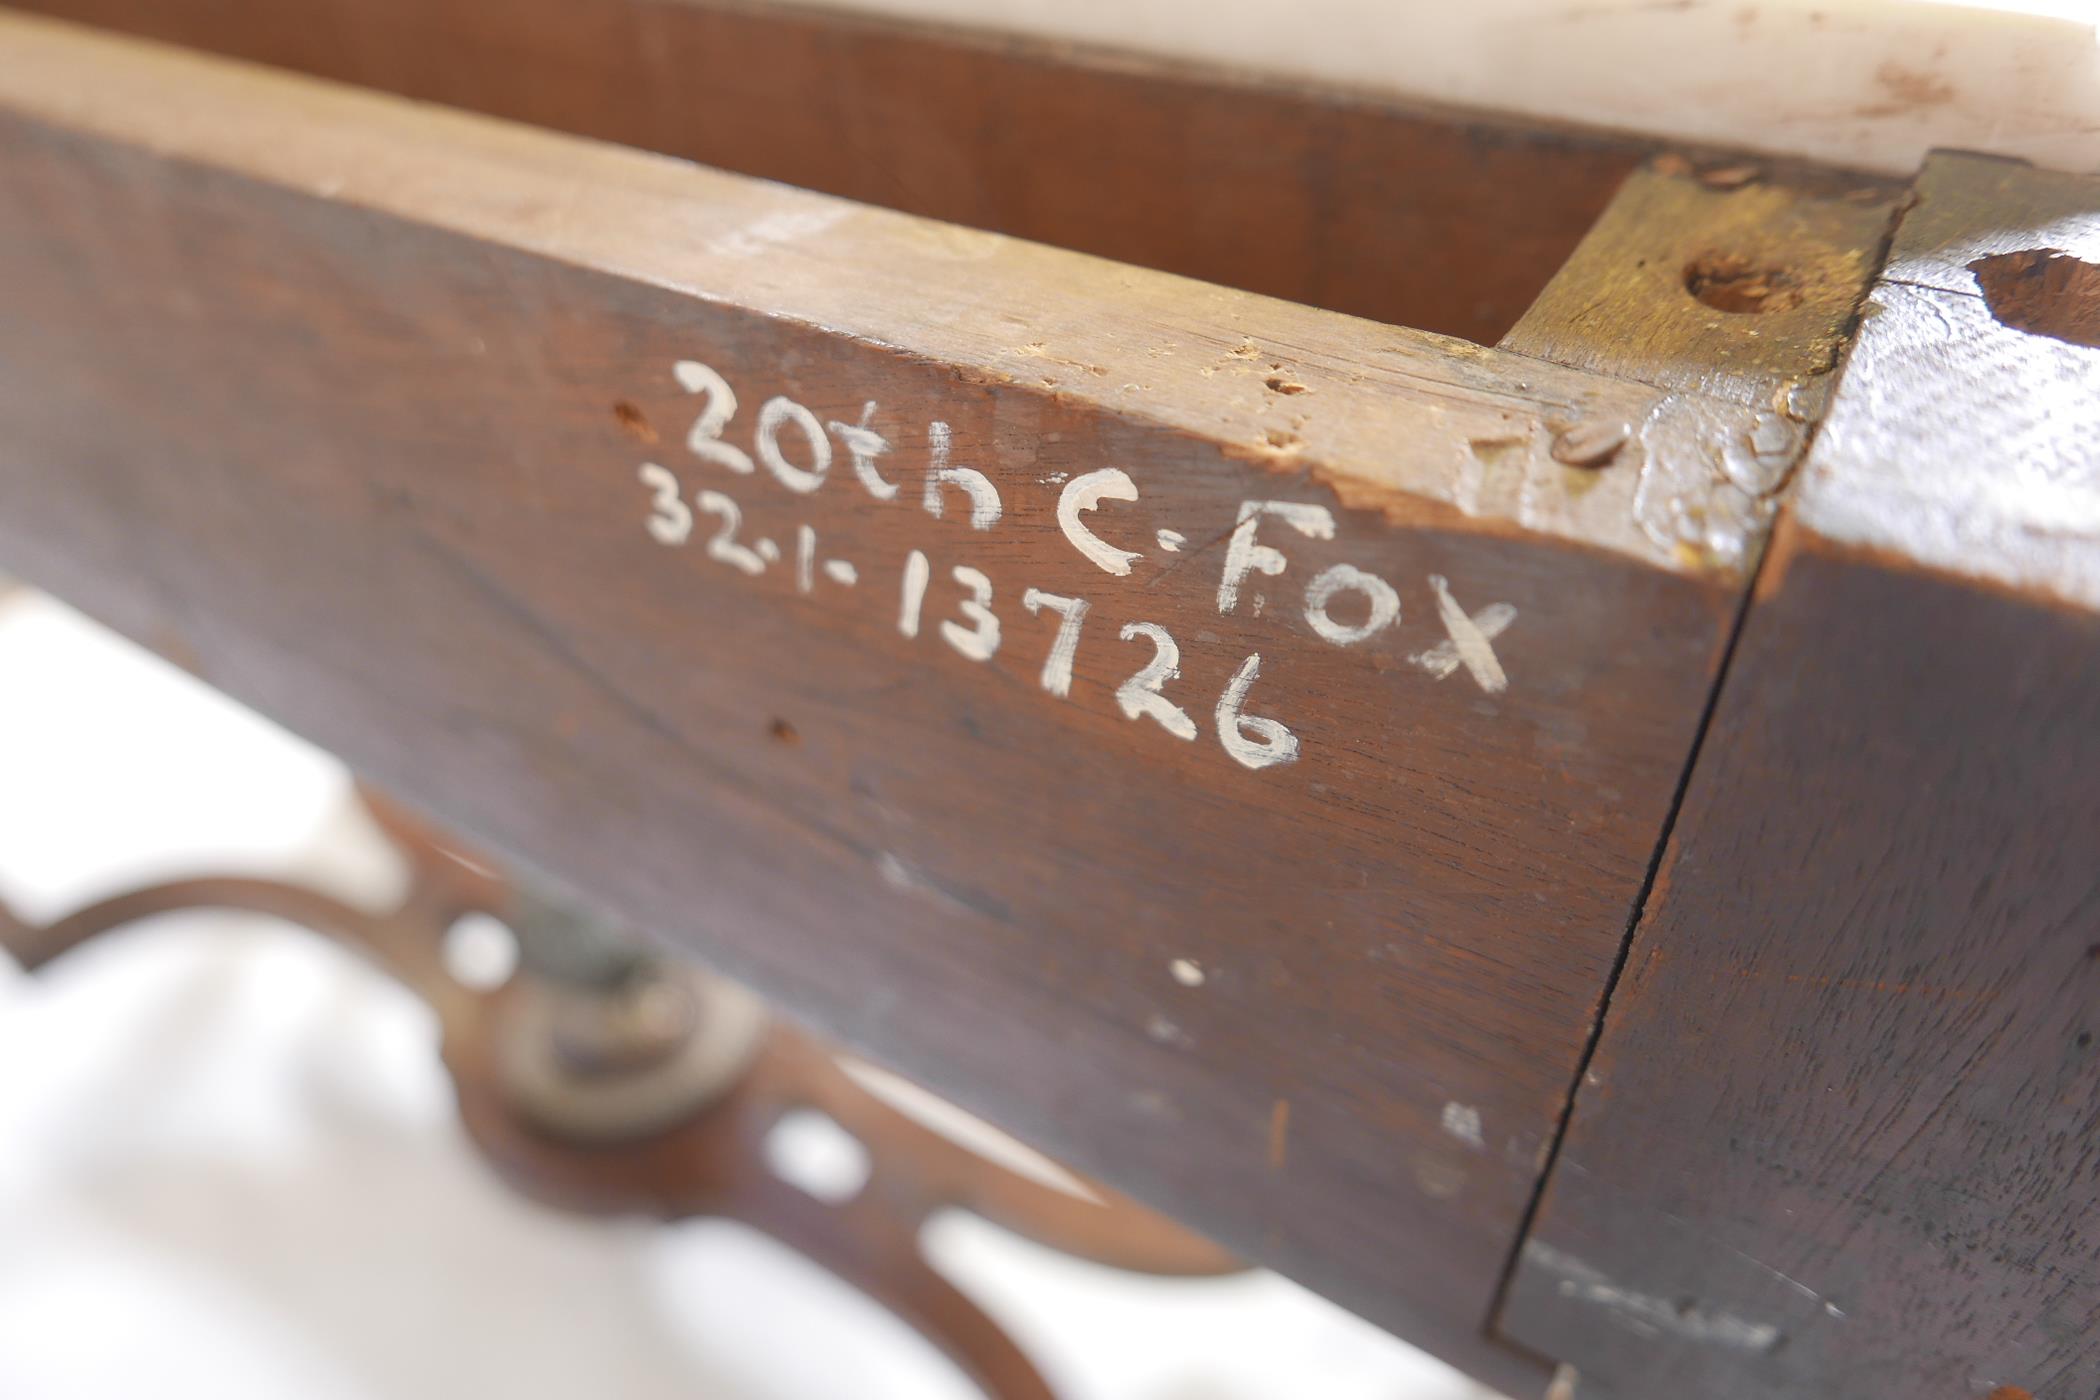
x=1832 y=376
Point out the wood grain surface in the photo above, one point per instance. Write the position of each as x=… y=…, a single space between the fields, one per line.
x=1742 y=282
x=1448 y=221
x=1842 y=1133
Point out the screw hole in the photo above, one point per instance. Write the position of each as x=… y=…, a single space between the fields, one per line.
x=784 y=733
x=1733 y=283
x=2043 y=291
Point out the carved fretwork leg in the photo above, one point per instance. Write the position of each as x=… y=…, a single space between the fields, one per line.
x=603 y=1077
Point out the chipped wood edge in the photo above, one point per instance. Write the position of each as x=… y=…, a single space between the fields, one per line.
x=1957 y=443
x=1806 y=243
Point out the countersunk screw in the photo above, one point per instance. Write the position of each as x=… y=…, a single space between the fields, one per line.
x=1591 y=444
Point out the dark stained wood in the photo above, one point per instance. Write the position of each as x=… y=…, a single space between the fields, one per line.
x=1842 y=1134
x=345 y=401
x=1447 y=221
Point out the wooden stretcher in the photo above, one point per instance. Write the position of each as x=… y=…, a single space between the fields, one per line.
x=1502 y=719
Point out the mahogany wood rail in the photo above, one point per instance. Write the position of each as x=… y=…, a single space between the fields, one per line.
x=1224 y=741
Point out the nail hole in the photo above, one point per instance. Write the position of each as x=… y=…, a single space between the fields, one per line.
x=2085 y=1040
x=783 y=732
x=479 y=951
x=632 y=422
x=1733 y=283
x=1278 y=384
x=2043 y=291
x=812 y=1153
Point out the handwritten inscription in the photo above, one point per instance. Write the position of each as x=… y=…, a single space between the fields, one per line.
x=1343 y=605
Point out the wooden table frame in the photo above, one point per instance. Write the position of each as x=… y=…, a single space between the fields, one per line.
x=1227 y=742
